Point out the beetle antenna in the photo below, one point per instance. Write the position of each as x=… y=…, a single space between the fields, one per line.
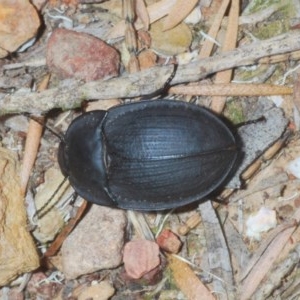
x=260 y=119
x=167 y=83
x=53 y=131
x=162 y=91
x=42 y=211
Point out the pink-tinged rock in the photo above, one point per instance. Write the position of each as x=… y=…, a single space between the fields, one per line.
x=140 y=257
x=80 y=55
x=96 y=243
x=169 y=241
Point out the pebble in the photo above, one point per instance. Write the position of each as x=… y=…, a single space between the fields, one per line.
x=96 y=243
x=99 y=291
x=169 y=241
x=140 y=257
x=81 y=56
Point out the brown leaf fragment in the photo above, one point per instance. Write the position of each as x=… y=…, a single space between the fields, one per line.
x=180 y=10
x=187 y=280
x=17 y=250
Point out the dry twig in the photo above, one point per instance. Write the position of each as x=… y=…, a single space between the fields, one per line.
x=33 y=139
x=147 y=81
x=218 y=102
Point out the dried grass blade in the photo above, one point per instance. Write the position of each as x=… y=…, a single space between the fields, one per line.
x=207 y=47
x=230 y=43
x=266 y=262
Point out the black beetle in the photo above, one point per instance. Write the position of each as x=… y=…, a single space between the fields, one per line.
x=149 y=155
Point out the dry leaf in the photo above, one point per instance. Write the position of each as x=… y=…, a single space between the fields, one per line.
x=17 y=250
x=178 y=13
x=187 y=281
x=171 y=42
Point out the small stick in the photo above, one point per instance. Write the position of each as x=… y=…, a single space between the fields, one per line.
x=231 y=89
x=148 y=81
x=207 y=47
x=218 y=102
x=32 y=144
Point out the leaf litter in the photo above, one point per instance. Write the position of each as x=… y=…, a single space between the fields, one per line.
x=217 y=258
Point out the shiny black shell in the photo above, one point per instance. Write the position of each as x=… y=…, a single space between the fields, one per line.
x=149 y=155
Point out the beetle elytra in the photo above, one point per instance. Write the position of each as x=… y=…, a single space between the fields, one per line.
x=149 y=155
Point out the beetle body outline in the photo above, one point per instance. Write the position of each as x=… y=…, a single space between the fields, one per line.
x=149 y=155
